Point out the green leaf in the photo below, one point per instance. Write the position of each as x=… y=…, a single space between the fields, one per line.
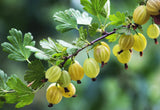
x=71 y=50
x=49 y=48
x=66 y=44
x=35 y=74
x=22 y=95
x=93 y=29
x=16 y=47
x=70 y=19
x=82 y=33
x=3 y=87
x=39 y=53
x=2 y=101
x=95 y=7
x=112 y=37
x=3 y=78
x=107 y=8
x=123 y=30
x=117 y=19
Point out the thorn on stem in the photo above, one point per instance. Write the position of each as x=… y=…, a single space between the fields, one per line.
x=30 y=84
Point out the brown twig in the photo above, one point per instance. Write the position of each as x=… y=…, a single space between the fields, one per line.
x=89 y=44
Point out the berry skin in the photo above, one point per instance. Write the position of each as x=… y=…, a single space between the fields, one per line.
x=91 y=68
x=126 y=42
x=65 y=79
x=116 y=49
x=101 y=54
x=140 y=15
x=76 y=72
x=53 y=94
x=153 y=32
x=124 y=57
x=70 y=93
x=106 y=45
x=53 y=73
x=140 y=43
x=153 y=7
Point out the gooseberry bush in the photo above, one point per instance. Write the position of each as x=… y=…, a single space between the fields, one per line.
x=60 y=55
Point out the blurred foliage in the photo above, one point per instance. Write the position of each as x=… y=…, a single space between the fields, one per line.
x=115 y=89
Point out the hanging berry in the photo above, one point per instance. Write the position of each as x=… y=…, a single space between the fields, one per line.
x=126 y=42
x=101 y=54
x=153 y=32
x=124 y=58
x=140 y=15
x=53 y=94
x=116 y=49
x=140 y=43
x=91 y=68
x=53 y=73
x=76 y=72
x=65 y=79
x=153 y=7
x=71 y=93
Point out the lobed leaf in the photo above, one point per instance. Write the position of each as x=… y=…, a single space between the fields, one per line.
x=50 y=48
x=16 y=45
x=93 y=29
x=20 y=94
x=97 y=7
x=70 y=19
x=117 y=19
x=112 y=37
x=3 y=78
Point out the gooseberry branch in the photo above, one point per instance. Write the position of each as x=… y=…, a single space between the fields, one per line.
x=89 y=44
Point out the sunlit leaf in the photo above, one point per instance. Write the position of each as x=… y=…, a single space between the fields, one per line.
x=117 y=19
x=70 y=19
x=95 y=7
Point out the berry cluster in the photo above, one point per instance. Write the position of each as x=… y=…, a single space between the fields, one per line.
x=61 y=79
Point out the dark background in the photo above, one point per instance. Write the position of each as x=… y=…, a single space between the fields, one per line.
x=115 y=89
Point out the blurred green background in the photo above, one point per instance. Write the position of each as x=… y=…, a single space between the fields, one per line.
x=137 y=88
